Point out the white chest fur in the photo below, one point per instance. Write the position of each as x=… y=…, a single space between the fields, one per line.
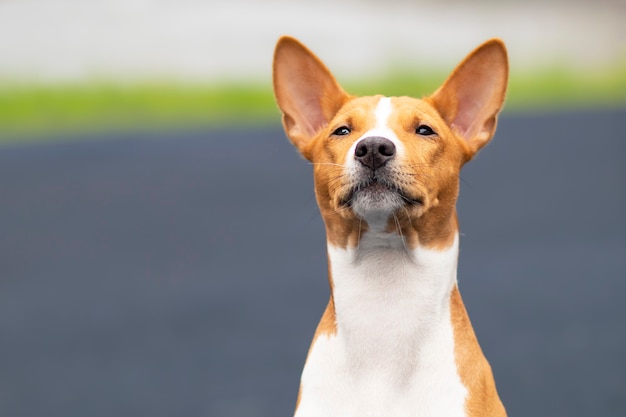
x=393 y=352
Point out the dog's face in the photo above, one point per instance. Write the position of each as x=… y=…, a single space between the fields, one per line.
x=388 y=164
x=381 y=156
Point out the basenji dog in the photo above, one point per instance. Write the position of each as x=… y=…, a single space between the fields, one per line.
x=395 y=339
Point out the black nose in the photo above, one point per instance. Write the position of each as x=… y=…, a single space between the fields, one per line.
x=374 y=152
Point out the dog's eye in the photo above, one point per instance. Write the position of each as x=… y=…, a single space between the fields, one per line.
x=424 y=130
x=342 y=131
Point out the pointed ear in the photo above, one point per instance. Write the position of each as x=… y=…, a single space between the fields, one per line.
x=307 y=93
x=470 y=99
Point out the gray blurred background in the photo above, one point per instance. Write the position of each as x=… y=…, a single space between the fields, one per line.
x=183 y=271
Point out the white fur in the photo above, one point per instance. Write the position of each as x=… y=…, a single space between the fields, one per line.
x=393 y=352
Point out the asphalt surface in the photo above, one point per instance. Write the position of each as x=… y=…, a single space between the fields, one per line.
x=183 y=274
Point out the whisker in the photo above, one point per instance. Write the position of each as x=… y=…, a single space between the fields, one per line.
x=467 y=184
x=416 y=165
x=326 y=163
x=408 y=216
x=337 y=178
x=420 y=175
x=399 y=228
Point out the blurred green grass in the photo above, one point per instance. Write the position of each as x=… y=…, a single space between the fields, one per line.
x=31 y=112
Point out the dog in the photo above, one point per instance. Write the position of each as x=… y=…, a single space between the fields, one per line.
x=395 y=338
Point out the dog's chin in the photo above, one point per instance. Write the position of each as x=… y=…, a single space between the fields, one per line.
x=378 y=200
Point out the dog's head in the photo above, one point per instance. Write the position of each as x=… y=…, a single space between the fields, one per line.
x=389 y=164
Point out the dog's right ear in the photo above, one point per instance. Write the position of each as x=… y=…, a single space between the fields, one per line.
x=306 y=92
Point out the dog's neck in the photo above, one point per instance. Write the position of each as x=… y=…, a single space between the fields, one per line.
x=392 y=304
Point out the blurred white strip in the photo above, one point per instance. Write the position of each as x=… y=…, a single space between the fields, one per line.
x=194 y=40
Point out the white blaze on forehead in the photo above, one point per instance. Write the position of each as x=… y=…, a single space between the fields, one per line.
x=383 y=110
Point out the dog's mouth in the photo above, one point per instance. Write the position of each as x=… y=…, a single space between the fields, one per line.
x=375 y=191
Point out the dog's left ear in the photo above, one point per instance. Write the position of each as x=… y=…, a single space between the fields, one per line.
x=470 y=99
x=307 y=93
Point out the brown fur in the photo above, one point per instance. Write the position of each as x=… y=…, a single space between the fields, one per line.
x=474 y=370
